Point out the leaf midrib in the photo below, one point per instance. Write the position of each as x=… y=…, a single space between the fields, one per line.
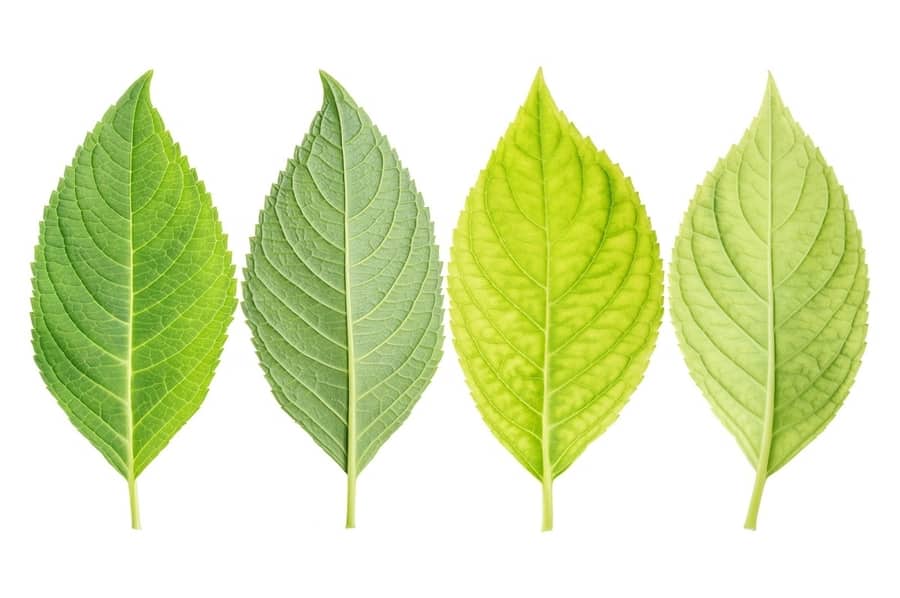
x=765 y=444
x=129 y=358
x=348 y=306
x=769 y=410
x=546 y=424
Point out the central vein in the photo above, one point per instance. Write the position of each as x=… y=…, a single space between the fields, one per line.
x=129 y=356
x=769 y=412
x=765 y=443
x=351 y=369
x=546 y=465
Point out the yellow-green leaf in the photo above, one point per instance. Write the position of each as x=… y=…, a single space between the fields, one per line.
x=556 y=290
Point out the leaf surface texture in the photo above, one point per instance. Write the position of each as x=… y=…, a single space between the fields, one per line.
x=769 y=290
x=342 y=286
x=133 y=287
x=556 y=289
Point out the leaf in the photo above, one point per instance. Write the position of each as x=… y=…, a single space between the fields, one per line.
x=342 y=287
x=555 y=290
x=769 y=291
x=133 y=288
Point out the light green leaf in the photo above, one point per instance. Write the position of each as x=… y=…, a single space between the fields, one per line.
x=133 y=288
x=342 y=287
x=769 y=291
x=556 y=290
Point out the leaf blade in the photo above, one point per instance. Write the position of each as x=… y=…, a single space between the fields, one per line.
x=115 y=284
x=534 y=333
x=804 y=234
x=346 y=227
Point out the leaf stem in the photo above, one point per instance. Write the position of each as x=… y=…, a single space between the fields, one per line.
x=547 y=524
x=351 y=499
x=761 y=477
x=133 y=502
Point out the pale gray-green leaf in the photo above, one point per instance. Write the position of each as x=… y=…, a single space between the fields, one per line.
x=342 y=286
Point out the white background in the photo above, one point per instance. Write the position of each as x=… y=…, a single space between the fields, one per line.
x=243 y=503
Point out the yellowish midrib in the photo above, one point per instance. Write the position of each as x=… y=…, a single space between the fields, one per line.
x=769 y=409
x=129 y=357
x=765 y=443
x=546 y=424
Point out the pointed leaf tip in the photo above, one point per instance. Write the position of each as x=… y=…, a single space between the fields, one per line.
x=325 y=77
x=144 y=80
x=539 y=91
x=539 y=84
x=772 y=92
x=330 y=85
x=140 y=85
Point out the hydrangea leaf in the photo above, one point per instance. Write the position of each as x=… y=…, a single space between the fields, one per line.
x=556 y=290
x=769 y=290
x=133 y=288
x=343 y=287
